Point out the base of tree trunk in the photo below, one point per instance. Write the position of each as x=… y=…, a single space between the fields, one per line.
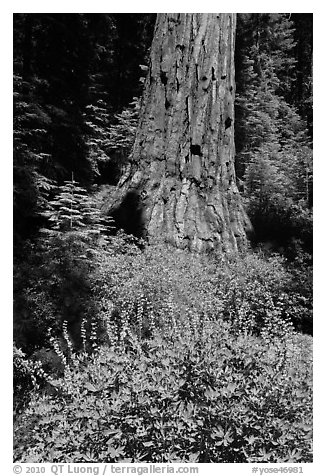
x=180 y=183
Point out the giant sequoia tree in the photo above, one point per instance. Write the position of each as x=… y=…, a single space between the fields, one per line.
x=180 y=182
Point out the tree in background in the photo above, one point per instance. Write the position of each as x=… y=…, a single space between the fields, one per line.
x=302 y=86
x=65 y=80
x=51 y=58
x=274 y=155
x=112 y=115
x=73 y=74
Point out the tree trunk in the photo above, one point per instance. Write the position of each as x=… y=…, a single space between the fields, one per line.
x=180 y=182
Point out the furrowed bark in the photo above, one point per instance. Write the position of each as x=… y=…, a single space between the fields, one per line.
x=180 y=183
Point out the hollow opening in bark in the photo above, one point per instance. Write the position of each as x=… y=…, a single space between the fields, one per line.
x=129 y=215
x=228 y=122
x=110 y=172
x=195 y=149
x=164 y=78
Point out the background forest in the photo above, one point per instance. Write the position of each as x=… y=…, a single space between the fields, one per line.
x=130 y=352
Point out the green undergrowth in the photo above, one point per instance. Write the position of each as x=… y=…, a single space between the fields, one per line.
x=192 y=393
x=184 y=358
x=253 y=292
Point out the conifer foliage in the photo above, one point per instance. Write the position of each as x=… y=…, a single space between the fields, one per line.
x=74 y=77
x=73 y=209
x=274 y=156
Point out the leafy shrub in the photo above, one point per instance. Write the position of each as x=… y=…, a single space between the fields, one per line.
x=27 y=375
x=253 y=292
x=22 y=382
x=192 y=392
x=186 y=358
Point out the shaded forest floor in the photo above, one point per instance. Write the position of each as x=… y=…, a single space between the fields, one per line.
x=161 y=355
